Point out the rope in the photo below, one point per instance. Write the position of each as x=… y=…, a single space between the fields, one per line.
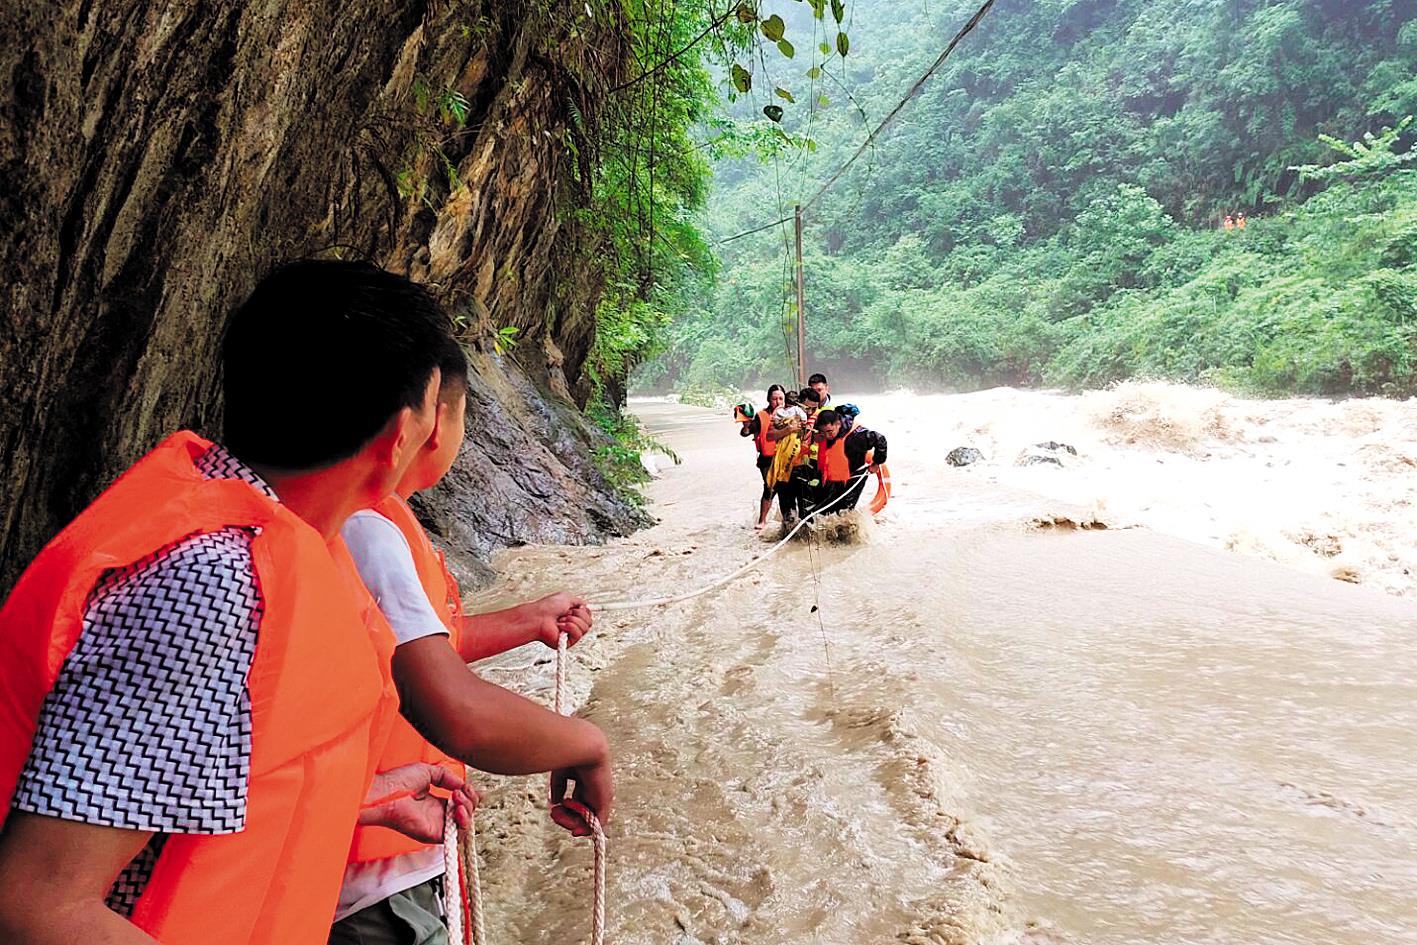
x=455 y=896
x=661 y=601
x=462 y=886
x=597 y=834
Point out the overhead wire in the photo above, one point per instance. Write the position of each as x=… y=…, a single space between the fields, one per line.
x=911 y=93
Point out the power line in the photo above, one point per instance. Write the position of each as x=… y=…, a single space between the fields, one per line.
x=919 y=83
x=675 y=57
x=759 y=229
x=871 y=138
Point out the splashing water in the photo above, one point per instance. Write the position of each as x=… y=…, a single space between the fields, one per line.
x=972 y=728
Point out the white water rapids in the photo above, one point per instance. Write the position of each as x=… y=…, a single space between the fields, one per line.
x=1177 y=729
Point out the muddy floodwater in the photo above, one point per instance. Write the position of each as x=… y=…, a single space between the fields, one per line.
x=962 y=726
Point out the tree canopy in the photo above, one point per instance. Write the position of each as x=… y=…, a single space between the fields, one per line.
x=1050 y=208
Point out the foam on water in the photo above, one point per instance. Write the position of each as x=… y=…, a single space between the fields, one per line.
x=1326 y=487
x=995 y=720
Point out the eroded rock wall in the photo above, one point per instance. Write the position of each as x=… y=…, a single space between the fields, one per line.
x=156 y=158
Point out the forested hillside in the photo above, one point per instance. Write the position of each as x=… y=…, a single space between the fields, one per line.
x=1050 y=208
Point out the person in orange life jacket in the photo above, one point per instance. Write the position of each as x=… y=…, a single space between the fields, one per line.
x=194 y=686
x=760 y=428
x=391 y=888
x=842 y=450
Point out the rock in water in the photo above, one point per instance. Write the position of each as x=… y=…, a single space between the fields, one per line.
x=1049 y=453
x=963 y=456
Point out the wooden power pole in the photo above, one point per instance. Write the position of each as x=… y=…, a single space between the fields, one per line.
x=801 y=307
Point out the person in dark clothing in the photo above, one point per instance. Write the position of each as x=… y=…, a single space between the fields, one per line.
x=843 y=447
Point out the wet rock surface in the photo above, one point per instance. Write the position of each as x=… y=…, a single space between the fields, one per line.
x=147 y=192
x=525 y=475
x=1047 y=453
x=963 y=456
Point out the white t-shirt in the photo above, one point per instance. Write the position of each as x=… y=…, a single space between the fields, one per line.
x=385 y=563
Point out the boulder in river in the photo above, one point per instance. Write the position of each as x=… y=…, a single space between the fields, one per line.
x=1048 y=453
x=963 y=456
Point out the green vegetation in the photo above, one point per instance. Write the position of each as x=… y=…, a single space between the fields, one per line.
x=619 y=456
x=649 y=182
x=1048 y=210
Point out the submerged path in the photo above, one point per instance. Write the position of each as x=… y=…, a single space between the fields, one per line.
x=984 y=733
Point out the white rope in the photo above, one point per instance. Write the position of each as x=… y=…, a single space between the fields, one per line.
x=474 y=883
x=661 y=601
x=452 y=878
x=597 y=834
x=462 y=886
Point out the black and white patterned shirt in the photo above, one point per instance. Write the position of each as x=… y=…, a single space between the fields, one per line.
x=148 y=726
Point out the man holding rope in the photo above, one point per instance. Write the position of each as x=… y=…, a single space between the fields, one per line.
x=393 y=884
x=194 y=686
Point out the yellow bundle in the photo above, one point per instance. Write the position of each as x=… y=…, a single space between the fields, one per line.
x=785 y=459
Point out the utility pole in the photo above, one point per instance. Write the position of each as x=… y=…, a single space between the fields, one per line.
x=801 y=307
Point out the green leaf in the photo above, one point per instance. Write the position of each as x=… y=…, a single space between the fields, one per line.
x=826 y=49
x=814 y=73
x=773 y=111
x=746 y=13
x=742 y=78
x=819 y=8
x=773 y=27
x=786 y=48
x=823 y=101
x=838 y=10
x=843 y=45
x=783 y=93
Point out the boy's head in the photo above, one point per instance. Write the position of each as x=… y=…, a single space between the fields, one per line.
x=329 y=362
x=828 y=424
x=809 y=398
x=818 y=383
x=439 y=451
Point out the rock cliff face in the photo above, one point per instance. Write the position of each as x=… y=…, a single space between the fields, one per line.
x=156 y=158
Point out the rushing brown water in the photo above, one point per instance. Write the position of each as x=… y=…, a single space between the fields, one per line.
x=984 y=732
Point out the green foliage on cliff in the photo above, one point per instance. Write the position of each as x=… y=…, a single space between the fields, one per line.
x=652 y=177
x=1048 y=210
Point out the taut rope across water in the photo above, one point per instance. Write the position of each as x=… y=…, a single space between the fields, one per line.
x=662 y=601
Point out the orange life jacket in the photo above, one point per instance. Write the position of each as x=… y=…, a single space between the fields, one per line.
x=321 y=698
x=832 y=462
x=766 y=447
x=405 y=745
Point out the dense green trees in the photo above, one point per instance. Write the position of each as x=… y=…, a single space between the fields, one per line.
x=1048 y=209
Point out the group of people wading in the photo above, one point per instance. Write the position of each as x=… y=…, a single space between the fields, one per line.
x=234 y=696
x=810 y=454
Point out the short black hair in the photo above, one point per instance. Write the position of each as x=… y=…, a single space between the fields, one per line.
x=817 y=379
x=827 y=416
x=810 y=393
x=321 y=356
x=452 y=365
